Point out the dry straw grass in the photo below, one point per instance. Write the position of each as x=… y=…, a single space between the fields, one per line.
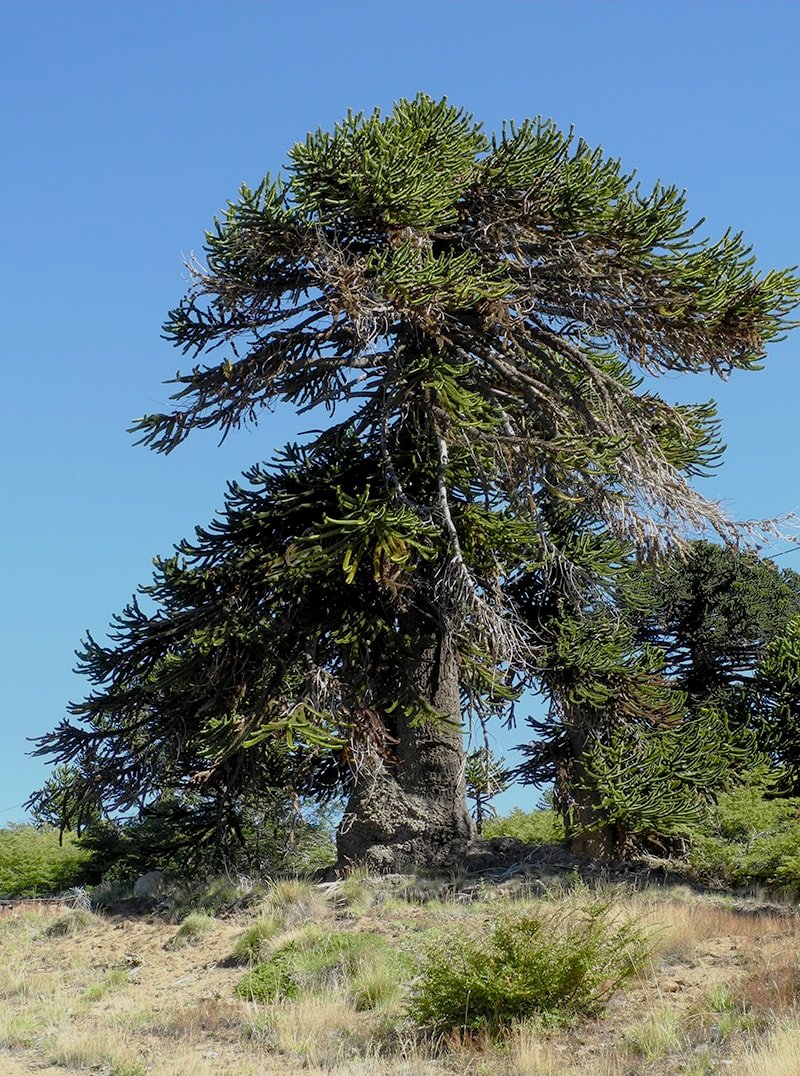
x=778 y=1054
x=71 y=1000
x=773 y=989
x=678 y=927
x=319 y=1030
x=295 y=903
x=103 y=1051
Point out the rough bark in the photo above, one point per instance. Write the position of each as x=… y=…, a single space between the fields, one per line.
x=588 y=833
x=411 y=811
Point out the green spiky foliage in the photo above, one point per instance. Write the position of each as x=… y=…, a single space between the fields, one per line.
x=723 y=619
x=712 y=612
x=601 y=689
x=666 y=693
x=474 y=314
x=486 y=777
x=775 y=691
x=656 y=783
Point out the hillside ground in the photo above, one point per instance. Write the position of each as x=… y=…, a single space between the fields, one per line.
x=126 y=994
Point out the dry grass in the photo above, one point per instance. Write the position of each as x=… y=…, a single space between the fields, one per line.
x=778 y=1054
x=295 y=903
x=773 y=989
x=529 y=1053
x=679 y=927
x=72 y=1049
x=322 y=1030
x=660 y=1033
x=720 y=995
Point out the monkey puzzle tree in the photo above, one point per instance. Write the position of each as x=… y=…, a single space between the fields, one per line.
x=712 y=612
x=671 y=677
x=471 y=312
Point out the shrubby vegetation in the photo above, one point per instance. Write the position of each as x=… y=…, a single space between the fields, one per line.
x=750 y=838
x=554 y=963
x=178 y=838
x=749 y=835
x=35 y=862
x=542 y=826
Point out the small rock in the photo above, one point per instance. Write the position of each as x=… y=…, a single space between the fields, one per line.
x=149 y=885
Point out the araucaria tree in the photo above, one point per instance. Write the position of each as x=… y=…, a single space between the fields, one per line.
x=473 y=314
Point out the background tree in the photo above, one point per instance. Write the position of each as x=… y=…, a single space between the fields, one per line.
x=602 y=689
x=684 y=684
x=486 y=777
x=478 y=308
x=712 y=612
x=773 y=702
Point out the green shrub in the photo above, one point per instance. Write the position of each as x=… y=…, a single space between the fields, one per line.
x=555 y=964
x=33 y=862
x=533 y=827
x=750 y=839
x=312 y=962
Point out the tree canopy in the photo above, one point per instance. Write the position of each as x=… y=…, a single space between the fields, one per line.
x=476 y=315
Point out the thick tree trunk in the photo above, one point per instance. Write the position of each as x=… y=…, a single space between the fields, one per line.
x=588 y=832
x=411 y=812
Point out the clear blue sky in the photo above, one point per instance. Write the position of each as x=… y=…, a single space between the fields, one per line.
x=127 y=125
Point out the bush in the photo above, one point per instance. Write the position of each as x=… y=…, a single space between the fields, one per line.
x=750 y=839
x=312 y=962
x=554 y=964
x=533 y=827
x=33 y=862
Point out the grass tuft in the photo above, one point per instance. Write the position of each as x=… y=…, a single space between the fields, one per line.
x=116 y=979
x=254 y=945
x=311 y=963
x=74 y=921
x=192 y=930
x=293 y=902
x=659 y=1034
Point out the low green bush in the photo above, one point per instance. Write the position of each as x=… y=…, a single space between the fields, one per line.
x=533 y=827
x=34 y=862
x=312 y=962
x=554 y=964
